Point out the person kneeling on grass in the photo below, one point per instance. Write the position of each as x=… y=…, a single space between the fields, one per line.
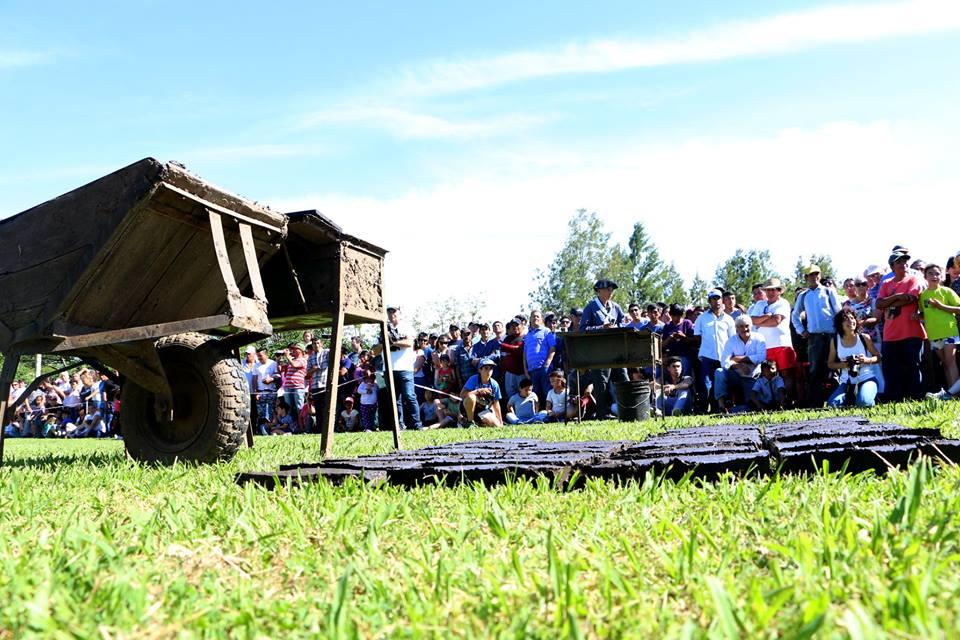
x=522 y=406
x=481 y=397
x=853 y=354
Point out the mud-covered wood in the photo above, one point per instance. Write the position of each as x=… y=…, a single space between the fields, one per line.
x=703 y=452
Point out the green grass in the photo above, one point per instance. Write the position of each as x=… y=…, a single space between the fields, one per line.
x=96 y=546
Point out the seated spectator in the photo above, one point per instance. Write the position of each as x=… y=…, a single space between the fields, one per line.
x=481 y=396
x=769 y=391
x=13 y=429
x=89 y=427
x=854 y=355
x=349 y=418
x=674 y=397
x=558 y=409
x=283 y=423
x=522 y=407
x=742 y=355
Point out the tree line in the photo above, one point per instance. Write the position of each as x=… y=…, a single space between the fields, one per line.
x=643 y=274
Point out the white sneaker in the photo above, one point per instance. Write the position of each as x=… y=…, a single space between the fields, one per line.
x=940 y=395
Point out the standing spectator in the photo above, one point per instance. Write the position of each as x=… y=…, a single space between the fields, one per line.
x=635 y=318
x=955 y=276
x=730 y=304
x=939 y=306
x=499 y=331
x=576 y=313
x=487 y=347
x=903 y=333
x=816 y=307
x=854 y=355
x=356 y=348
x=318 y=371
x=539 y=347
x=758 y=300
x=462 y=360
x=421 y=371
x=403 y=358
x=511 y=358
x=603 y=313
x=714 y=327
x=249 y=366
x=265 y=380
x=678 y=339
x=653 y=316
x=294 y=370
x=772 y=321
x=368 y=401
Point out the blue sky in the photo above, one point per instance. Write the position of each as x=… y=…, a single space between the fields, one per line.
x=440 y=130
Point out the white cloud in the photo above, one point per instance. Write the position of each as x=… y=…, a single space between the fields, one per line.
x=250 y=152
x=846 y=189
x=764 y=36
x=12 y=59
x=407 y=125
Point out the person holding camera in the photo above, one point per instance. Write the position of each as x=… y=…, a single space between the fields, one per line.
x=854 y=355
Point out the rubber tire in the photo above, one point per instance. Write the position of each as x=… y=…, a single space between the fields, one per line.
x=211 y=400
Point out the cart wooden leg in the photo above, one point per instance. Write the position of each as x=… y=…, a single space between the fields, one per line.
x=7 y=374
x=388 y=379
x=333 y=375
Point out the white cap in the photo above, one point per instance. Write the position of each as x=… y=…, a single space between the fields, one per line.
x=251 y=349
x=873 y=268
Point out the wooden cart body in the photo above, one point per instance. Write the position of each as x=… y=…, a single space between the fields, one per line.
x=151 y=251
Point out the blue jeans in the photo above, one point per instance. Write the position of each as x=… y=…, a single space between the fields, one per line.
x=901 y=369
x=727 y=381
x=866 y=394
x=675 y=405
x=541 y=384
x=511 y=384
x=708 y=366
x=536 y=418
x=408 y=409
x=295 y=399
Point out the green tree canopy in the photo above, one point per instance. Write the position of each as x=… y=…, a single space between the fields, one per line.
x=742 y=270
x=647 y=277
x=825 y=263
x=698 y=291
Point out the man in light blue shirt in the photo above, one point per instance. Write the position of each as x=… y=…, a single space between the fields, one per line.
x=741 y=360
x=812 y=317
x=539 y=348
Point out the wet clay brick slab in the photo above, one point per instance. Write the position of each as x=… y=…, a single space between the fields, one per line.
x=296 y=477
x=703 y=451
x=854 y=442
x=490 y=461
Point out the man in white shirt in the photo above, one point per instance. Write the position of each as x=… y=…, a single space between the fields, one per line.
x=404 y=359
x=265 y=380
x=741 y=360
x=714 y=328
x=772 y=321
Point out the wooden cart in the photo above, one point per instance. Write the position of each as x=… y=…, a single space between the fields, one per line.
x=162 y=276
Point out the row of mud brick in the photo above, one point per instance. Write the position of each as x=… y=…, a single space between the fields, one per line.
x=852 y=444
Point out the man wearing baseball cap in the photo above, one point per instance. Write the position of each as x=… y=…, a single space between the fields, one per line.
x=481 y=397
x=773 y=323
x=903 y=333
x=812 y=317
x=400 y=338
x=603 y=313
x=713 y=327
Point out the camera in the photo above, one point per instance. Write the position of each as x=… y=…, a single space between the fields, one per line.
x=853 y=367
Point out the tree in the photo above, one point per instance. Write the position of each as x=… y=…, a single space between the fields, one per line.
x=698 y=291
x=648 y=277
x=825 y=263
x=438 y=314
x=742 y=270
x=585 y=257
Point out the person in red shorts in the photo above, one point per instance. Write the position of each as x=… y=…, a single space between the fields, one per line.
x=773 y=323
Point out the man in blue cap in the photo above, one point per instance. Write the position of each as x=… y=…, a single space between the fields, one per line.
x=603 y=313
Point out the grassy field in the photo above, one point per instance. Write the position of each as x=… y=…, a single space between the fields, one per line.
x=96 y=546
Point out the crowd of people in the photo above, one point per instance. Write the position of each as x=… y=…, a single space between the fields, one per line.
x=81 y=404
x=888 y=334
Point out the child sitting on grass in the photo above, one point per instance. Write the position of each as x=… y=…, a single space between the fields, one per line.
x=283 y=422
x=522 y=406
x=349 y=418
x=768 y=390
x=557 y=409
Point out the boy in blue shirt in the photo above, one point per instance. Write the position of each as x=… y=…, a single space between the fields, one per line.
x=481 y=397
